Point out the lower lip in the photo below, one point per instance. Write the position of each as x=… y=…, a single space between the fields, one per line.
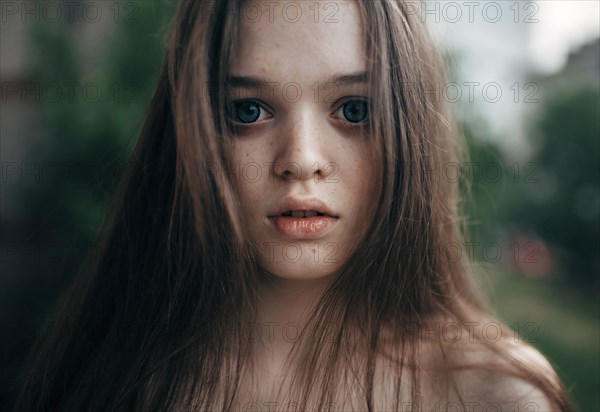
x=303 y=227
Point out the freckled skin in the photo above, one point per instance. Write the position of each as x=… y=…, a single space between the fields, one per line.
x=311 y=130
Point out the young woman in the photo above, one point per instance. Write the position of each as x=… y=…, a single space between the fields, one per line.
x=280 y=242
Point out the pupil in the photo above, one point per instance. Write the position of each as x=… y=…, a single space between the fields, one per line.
x=355 y=111
x=248 y=112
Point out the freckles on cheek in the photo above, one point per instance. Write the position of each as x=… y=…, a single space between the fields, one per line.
x=362 y=169
x=247 y=167
x=243 y=152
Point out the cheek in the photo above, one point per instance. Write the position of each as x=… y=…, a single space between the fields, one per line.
x=366 y=180
x=239 y=153
x=363 y=169
x=248 y=172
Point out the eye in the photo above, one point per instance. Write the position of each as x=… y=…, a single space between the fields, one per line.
x=245 y=111
x=355 y=110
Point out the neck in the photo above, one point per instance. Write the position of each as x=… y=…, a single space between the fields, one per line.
x=282 y=311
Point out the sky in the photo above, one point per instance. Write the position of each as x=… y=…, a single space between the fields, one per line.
x=503 y=43
x=562 y=25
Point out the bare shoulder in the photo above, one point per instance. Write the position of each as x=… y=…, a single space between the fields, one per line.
x=484 y=380
x=489 y=389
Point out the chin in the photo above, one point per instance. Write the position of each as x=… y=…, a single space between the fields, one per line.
x=300 y=259
x=307 y=266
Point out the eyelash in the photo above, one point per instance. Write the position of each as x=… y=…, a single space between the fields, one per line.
x=231 y=107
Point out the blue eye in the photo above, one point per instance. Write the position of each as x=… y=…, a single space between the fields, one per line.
x=355 y=111
x=246 y=111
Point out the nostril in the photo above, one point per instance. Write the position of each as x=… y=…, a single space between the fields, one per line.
x=288 y=174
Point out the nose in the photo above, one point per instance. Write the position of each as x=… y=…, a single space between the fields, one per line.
x=304 y=151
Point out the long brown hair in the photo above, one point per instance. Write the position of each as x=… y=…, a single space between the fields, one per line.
x=156 y=320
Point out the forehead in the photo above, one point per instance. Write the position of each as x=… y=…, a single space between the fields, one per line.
x=302 y=41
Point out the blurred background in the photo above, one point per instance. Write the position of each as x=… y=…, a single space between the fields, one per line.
x=524 y=84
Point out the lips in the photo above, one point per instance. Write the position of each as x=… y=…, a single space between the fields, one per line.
x=308 y=218
x=302 y=208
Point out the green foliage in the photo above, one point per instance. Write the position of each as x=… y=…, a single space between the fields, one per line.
x=565 y=331
x=92 y=93
x=484 y=181
x=564 y=208
x=90 y=130
x=555 y=194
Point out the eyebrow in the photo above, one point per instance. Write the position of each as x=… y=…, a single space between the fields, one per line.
x=252 y=82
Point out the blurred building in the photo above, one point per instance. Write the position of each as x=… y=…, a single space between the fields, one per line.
x=582 y=67
x=489 y=49
x=498 y=45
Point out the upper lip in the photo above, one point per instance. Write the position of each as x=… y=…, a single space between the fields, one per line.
x=290 y=203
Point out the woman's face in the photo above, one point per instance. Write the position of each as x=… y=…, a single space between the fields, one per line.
x=299 y=106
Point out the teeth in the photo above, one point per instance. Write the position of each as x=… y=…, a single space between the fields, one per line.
x=302 y=213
